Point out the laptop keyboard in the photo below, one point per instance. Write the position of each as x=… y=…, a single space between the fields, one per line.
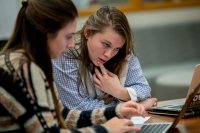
x=153 y=128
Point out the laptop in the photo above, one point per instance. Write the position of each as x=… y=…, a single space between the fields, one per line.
x=193 y=108
x=170 y=126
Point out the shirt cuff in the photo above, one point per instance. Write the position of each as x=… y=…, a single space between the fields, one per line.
x=132 y=93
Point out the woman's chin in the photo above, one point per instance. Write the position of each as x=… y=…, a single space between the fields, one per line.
x=96 y=64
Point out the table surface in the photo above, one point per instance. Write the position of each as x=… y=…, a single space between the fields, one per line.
x=188 y=125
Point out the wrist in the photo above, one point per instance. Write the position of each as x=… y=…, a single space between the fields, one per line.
x=123 y=94
x=118 y=110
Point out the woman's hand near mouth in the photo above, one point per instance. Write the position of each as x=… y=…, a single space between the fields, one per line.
x=109 y=83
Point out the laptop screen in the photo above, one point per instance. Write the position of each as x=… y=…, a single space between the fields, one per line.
x=185 y=106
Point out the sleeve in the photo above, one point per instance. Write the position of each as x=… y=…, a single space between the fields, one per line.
x=70 y=87
x=79 y=119
x=136 y=83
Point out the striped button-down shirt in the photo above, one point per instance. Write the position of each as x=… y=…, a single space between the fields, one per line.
x=73 y=93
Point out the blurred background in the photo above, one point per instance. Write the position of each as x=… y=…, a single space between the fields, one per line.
x=166 y=37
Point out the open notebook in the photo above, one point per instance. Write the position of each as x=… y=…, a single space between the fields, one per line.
x=173 y=108
x=169 y=127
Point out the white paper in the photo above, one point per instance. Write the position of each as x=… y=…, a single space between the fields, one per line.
x=138 y=121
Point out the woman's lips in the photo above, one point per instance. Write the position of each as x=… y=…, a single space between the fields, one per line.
x=101 y=61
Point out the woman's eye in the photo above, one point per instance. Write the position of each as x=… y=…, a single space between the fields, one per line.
x=69 y=37
x=117 y=49
x=106 y=45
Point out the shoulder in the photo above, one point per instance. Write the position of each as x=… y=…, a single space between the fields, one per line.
x=19 y=62
x=131 y=58
x=25 y=66
x=67 y=58
x=66 y=64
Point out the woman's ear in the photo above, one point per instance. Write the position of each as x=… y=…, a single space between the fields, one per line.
x=86 y=33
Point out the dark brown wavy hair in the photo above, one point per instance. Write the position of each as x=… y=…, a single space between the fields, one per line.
x=35 y=19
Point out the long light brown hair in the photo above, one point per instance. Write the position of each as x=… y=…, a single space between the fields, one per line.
x=35 y=19
x=103 y=18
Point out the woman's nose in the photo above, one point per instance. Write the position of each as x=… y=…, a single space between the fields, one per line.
x=108 y=53
x=70 y=45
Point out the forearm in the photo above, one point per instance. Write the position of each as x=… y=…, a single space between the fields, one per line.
x=122 y=94
x=83 y=102
x=73 y=99
x=135 y=92
x=78 y=119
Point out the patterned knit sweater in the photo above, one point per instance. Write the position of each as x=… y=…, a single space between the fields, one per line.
x=27 y=106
